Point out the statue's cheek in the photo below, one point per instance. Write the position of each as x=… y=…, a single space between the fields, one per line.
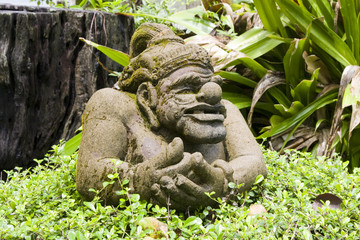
x=182 y=99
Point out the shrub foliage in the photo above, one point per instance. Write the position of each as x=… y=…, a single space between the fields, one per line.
x=42 y=203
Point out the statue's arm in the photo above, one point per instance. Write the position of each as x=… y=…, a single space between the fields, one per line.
x=104 y=142
x=244 y=154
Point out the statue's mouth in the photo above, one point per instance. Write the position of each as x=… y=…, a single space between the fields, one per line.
x=205 y=112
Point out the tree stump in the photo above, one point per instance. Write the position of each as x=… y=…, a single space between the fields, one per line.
x=47 y=75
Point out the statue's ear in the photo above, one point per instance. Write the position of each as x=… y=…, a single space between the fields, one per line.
x=146 y=98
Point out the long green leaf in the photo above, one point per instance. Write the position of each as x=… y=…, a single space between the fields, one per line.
x=322 y=101
x=242 y=101
x=254 y=43
x=118 y=56
x=239 y=100
x=269 y=16
x=294 y=64
x=236 y=77
x=323 y=9
x=250 y=63
x=321 y=35
x=71 y=145
x=352 y=27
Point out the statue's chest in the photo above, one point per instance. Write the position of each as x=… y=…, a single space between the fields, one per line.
x=144 y=147
x=210 y=152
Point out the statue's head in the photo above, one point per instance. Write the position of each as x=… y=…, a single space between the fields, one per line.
x=174 y=84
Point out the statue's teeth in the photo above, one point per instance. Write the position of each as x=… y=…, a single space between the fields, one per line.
x=198 y=112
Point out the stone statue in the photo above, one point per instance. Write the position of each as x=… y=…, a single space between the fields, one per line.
x=165 y=120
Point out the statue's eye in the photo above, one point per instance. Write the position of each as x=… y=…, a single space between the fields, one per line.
x=185 y=91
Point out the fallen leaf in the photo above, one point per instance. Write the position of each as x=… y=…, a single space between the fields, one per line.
x=335 y=201
x=257 y=209
x=160 y=229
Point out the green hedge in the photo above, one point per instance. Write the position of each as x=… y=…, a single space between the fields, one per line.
x=42 y=203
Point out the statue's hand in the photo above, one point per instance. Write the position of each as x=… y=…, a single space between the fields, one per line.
x=168 y=163
x=188 y=187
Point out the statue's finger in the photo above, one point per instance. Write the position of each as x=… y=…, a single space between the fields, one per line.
x=174 y=151
x=173 y=154
x=183 y=167
x=227 y=169
x=175 y=193
x=189 y=186
x=202 y=168
x=158 y=196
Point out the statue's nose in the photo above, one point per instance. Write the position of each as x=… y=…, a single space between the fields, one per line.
x=209 y=93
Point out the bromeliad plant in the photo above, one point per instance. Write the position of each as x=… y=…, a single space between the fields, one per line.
x=319 y=64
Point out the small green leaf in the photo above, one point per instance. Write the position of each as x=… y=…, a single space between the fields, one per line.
x=259 y=179
x=80 y=236
x=105 y=184
x=190 y=19
x=135 y=197
x=307 y=234
x=193 y=220
x=90 y=205
x=231 y=185
x=239 y=100
x=71 y=235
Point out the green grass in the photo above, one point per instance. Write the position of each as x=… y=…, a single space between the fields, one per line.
x=42 y=203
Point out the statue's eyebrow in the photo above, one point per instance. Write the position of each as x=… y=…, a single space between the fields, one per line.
x=191 y=78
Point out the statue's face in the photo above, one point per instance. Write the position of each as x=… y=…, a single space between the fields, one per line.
x=189 y=102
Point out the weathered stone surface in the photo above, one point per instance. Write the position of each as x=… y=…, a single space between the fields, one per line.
x=47 y=75
x=177 y=139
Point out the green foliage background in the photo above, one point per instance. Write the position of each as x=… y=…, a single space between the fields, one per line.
x=42 y=203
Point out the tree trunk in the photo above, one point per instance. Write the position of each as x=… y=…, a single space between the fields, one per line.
x=47 y=75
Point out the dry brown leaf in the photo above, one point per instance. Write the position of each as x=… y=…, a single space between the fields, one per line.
x=303 y=137
x=159 y=228
x=214 y=5
x=257 y=210
x=335 y=201
x=246 y=21
x=312 y=63
x=270 y=80
x=218 y=52
x=347 y=76
x=355 y=116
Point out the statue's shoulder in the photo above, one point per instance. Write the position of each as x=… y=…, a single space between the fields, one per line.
x=112 y=101
x=229 y=105
x=233 y=114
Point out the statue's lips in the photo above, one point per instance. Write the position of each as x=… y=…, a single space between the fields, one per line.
x=205 y=113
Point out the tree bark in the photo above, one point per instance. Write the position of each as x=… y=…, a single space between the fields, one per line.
x=47 y=75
